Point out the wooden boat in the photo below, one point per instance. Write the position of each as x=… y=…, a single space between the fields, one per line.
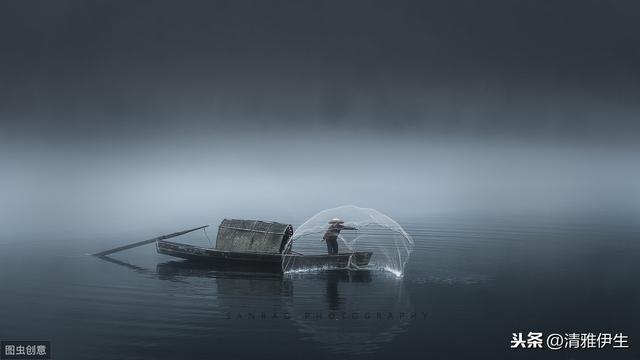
x=270 y=260
x=249 y=242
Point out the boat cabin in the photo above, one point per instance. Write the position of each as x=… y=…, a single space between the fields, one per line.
x=253 y=236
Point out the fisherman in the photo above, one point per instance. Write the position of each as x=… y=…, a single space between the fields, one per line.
x=331 y=235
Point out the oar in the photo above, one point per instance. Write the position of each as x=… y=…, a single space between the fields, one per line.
x=140 y=243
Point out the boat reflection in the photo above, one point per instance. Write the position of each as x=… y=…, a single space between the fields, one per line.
x=246 y=280
x=233 y=284
x=338 y=309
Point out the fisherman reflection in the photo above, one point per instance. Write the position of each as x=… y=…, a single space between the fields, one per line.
x=331 y=235
x=333 y=296
x=335 y=302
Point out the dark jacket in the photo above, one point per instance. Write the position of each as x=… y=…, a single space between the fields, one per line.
x=334 y=230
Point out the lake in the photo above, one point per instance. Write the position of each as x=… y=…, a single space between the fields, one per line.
x=471 y=282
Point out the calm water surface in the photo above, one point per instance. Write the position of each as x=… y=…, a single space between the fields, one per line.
x=471 y=281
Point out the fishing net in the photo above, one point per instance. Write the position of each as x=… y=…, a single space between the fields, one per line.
x=362 y=233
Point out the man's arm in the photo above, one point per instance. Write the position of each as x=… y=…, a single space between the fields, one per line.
x=349 y=228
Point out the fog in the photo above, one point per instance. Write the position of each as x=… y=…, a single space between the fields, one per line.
x=126 y=117
x=114 y=188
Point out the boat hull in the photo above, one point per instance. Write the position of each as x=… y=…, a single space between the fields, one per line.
x=267 y=260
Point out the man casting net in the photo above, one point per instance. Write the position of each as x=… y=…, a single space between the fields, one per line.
x=349 y=230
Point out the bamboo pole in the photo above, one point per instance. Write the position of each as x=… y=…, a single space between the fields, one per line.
x=140 y=243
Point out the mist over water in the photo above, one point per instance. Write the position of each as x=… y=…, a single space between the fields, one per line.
x=95 y=189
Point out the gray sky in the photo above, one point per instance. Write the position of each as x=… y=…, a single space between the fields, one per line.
x=118 y=69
